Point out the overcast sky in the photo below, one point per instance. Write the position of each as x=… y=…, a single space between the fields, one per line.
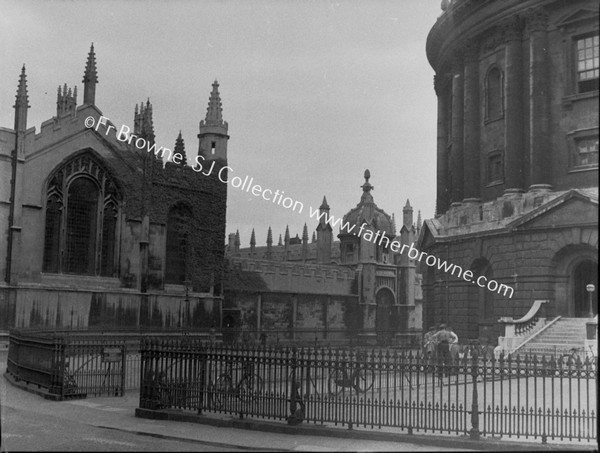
x=314 y=92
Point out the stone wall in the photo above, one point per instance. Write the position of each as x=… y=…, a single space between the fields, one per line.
x=46 y=307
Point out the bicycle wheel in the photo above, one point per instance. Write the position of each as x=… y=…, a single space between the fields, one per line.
x=220 y=391
x=337 y=381
x=250 y=387
x=364 y=380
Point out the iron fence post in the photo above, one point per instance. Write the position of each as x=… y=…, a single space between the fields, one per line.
x=123 y=368
x=296 y=413
x=474 y=433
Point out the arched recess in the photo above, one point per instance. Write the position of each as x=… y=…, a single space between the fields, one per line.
x=386 y=318
x=575 y=266
x=82 y=208
x=481 y=304
x=494 y=93
x=178 y=246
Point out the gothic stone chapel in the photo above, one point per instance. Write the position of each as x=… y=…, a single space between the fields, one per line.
x=96 y=232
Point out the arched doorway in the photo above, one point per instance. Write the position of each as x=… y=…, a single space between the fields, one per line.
x=584 y=273
x=576 y=266
x=385 y=319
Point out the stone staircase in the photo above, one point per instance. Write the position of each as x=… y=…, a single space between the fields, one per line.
x=559 y=338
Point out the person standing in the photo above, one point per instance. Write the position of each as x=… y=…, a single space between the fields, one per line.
x=444 y=338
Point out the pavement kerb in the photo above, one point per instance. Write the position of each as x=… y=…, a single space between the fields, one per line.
x=190 y=440
x=314 y=430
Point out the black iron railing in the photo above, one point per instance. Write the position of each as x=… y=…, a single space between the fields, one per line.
x=473 y=395
x=76 y=364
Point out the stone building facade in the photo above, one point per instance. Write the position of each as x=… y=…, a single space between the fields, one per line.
x=355 y=287
x=517 y=160
x=96 y=230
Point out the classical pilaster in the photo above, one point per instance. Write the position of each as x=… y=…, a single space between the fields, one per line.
x=471 y=167
x=442 y=85
x=540 y=166
x=456 y=153
x=514 y=123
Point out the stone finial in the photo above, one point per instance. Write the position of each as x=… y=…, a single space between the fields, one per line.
x=252 y=239
x=305 y=234
x=286 y=238
x=180 y=148
x=90 y=78
x=214 y=111
x=21 y=102
x=269 y=237
x=314 y=237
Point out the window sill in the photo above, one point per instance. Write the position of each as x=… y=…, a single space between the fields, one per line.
x=493 y=120
x=495 y=183
x=583 y=168
x=567 y=101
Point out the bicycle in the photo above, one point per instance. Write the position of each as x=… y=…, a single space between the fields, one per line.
x=246 y=389
x=361 y=379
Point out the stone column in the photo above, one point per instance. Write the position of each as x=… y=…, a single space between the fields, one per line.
x=471 y=166
x=440 y=83
x=514 y=123
x=456 y=153
x=538 y=94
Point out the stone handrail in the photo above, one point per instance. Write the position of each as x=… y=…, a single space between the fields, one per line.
x=517 y=331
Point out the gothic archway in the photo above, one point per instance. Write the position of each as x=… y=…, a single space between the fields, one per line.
x=82 y=211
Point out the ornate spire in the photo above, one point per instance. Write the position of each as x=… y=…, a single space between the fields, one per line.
x=90 y=78
x=269 y=237
x=214 y=112
x=280 y=243
x=407 y=212
x=146 y=123
x=180 y=148
x=314 y=237
x=286 y=238
x=269 y=244
x=305 y=234
x=252 y=239
x=66 y=100
x=324 y=205
x=21 y=102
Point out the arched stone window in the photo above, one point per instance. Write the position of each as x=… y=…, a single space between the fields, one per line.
x=494 y=94
x=82 y=208
x=178 y=245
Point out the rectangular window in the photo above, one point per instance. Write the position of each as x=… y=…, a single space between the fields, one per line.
x=586 y=151
x=495 y=168
x=588 y=69
x=349 y=253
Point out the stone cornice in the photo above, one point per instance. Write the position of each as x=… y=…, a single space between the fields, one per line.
x=472 y=19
